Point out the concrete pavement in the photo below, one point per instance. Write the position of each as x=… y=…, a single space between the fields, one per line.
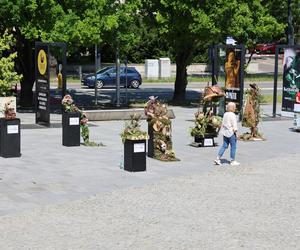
x=55 y=197
x=49 y=173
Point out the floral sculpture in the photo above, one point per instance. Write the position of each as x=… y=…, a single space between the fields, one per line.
x=206 y=123
x=158 y=120
x=9 y=112
x=69 y=106
x=251 y=113
x=132 y=130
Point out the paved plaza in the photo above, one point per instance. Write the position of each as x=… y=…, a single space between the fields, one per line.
x=56 y=197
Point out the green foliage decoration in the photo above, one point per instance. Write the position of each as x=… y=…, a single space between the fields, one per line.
x=8 y=76
x=132 y=129
x=206 y=123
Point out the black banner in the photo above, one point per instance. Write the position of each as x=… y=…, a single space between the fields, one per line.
x=42 y=81
x=291 y=80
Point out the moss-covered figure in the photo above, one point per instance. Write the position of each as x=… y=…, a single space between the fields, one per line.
x=252 y=113
x=158 y=120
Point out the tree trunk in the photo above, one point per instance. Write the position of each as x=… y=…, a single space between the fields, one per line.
x=250 y=58
x=181 y=78
x=180 y=84
x=25 y=66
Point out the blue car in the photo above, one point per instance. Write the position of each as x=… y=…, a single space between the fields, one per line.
x=107 y=77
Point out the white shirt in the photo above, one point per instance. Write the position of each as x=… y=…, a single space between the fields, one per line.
x=229 y=124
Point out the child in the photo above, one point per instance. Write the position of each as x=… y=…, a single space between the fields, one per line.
x=229 y=130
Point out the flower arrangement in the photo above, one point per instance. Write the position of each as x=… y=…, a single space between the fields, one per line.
x=132 y=130
x=9 y=112
x=158 y=120
x=206 y=123
x=69 y=106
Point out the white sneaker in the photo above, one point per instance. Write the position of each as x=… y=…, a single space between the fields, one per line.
x=217 y=162
x=234 y=163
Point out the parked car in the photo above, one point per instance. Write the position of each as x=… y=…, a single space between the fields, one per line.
x=107 y=77
x=265 y=48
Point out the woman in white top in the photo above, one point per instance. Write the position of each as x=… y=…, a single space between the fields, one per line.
x=229 y=130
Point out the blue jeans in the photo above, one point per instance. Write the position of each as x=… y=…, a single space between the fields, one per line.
x=226 y=142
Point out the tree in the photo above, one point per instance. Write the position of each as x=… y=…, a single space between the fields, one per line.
x=76 y=22
x=8 y=76
x=279 y=10
x=188 y=25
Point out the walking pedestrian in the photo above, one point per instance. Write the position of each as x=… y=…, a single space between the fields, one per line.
x=229 y=131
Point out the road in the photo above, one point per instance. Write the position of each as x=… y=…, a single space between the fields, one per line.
x=163 y=90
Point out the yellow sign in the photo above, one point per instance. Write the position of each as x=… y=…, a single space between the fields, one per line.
x=42 y=62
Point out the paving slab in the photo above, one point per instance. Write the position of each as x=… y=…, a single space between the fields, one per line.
x=252 y=206
x=49 y=173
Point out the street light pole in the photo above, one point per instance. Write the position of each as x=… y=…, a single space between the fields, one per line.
x=118 y=78
x=290 y=30
x=96 y=68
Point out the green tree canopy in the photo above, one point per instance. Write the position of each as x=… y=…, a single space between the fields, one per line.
x=76 y=22
x=178 y=28
x=8 y=76
x=188 y=25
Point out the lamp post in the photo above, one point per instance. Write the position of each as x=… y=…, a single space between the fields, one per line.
x=117 y=78
x=96 y=69
x=290 y=29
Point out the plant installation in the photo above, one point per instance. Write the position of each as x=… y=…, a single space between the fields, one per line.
x=132 y=130
x=9 y=112
x=69 y=106
x=206 y=124
x=161 y=125
x=252 y=113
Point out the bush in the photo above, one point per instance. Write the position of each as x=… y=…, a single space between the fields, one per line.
x=8 y=76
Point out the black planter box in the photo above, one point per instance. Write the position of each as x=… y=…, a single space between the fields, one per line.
x=150 y=152
x=135 y=155
x=206 y=141
x=71 y=129
x=10 y=139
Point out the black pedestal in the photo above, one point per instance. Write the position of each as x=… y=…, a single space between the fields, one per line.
x=150 y=152
x=71 y=129
x=135 y=155
x=10 y=139
x=205 y=141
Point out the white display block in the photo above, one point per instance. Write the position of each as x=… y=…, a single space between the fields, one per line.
x=287 y=114
x=297 y=107
x=208 y=142
x=164 y=67
x=74 y=121
x=139 y=147
x=151 y=68
x=12 y=129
